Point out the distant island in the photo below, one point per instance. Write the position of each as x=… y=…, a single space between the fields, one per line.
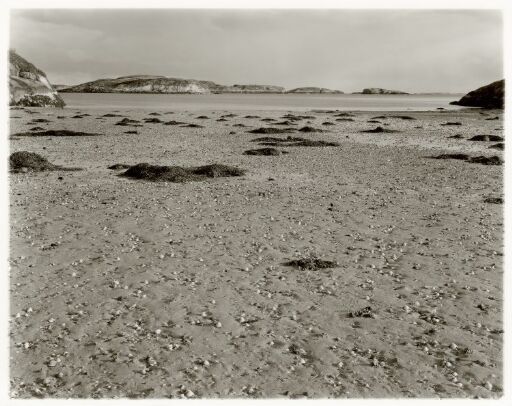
x=164 y=84
x=378 y=90
x=311 y=90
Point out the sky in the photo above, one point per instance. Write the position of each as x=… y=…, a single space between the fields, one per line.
x=409 y=50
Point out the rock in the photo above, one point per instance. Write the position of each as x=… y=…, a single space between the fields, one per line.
x=490 y=96
x=29 y=86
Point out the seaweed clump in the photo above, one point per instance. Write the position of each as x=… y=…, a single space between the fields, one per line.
x=293 y=142
x=24 y=161
x=379 y=129
x=271 y=130
x=55 y=133
x=178 y=174
x=311 y=263
x=265 y=151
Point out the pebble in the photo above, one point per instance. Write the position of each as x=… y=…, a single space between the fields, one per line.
x=488 y=386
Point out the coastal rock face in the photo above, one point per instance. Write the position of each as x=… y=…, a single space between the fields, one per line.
x=378 y=90
x=490 y=96
x=310 y=90
x=29 y=86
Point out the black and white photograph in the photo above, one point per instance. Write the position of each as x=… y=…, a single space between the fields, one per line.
x=255 y=202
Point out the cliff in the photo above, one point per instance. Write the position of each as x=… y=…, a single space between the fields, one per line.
x=311 y=90
x=490 y=96
x=29 y=86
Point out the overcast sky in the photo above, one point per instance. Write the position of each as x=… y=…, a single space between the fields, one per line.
x=415 y=51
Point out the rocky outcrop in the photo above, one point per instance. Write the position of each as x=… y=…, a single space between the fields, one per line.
x=490 y=96
x=29 y=86
x=378 y=90
x=311 y=90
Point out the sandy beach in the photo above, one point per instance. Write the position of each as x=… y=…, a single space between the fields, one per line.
x=131 y=288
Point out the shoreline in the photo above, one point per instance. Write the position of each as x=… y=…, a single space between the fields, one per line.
x=260 y=102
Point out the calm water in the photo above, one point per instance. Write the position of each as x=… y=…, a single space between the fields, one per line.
x=258 y=101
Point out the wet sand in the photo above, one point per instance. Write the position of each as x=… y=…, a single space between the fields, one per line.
x=130 y=288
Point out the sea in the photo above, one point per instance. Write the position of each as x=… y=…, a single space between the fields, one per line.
x=268 y=102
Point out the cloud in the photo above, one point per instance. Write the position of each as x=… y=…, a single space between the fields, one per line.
x=411 y=50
